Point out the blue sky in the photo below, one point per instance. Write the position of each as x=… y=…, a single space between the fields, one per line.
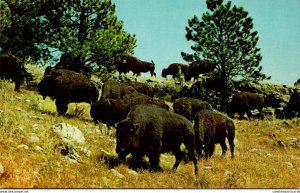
x=159 y=26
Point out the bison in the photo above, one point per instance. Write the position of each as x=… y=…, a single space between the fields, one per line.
x=130 y=63
x=12 y=68
x=292 y=109
x=69 y=61
x=210 y=128
x=199 y=67
x=245 y=102
x=141 y=88
x=67 y=86
x=115 y=90
x=174 y=70
x=188 y=107
x=151 y=130
x=119 y=108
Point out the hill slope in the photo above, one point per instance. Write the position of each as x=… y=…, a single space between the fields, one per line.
x=29 y=158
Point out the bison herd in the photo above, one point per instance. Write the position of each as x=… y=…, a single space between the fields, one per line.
x=145 y=125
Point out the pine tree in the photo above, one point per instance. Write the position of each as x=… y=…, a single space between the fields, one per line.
x=225 y=36
x=86 y=29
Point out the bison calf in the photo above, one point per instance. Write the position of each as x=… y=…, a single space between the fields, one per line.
x=150 y=130
x=210 y=128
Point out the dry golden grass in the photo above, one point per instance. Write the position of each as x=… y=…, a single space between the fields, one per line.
x=259 y=161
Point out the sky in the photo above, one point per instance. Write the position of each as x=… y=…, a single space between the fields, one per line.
x=159 y=26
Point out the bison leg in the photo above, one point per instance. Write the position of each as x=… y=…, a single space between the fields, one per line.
x=209 y=149
x=61 y=107
x=154 y=162
x=193 y=155
x=224 y=146
x=179 y=155
x=231 y=144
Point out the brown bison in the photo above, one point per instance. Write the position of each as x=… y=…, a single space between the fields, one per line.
x=12 y=68
x=199 y=67
x=174 y=70
x=111 y=111
x=292 y=109
x=130 y=63
x=140 y=87
x=115 y=90
x=245 y=102
x=210 y=128
x=151 y=130
x=67 y=86
x=188 y=107
x=69 y=61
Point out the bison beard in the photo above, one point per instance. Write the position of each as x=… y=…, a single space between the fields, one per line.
x=150 y=130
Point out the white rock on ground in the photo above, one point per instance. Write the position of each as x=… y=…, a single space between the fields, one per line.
x=69 y=134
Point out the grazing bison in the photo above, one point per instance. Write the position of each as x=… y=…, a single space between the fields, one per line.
x=115 y=90
x=150 y=130
x=210 y=128
x=12 y=68
x=188 y=107
x=119 y=108
x=245 y=102
x=130 y=63
x=141 y=88
x=199 y=67
x=174 y=70
x=67 y=86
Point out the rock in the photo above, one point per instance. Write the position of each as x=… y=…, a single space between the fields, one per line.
x=69 y=152
x=36 y=126
x=116 y=173
x=294 y=142
x=38 y=148
x=23 y=146
x=228 y=174
x=207 y=167
x=289 y=165
x=254 y=150
x=281 y=144
x=1 y=169
x=33 y=138
x=285 y=124
x=69 y=134
x=133 y=173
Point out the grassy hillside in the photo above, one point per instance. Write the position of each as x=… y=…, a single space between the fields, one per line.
x=260 y=161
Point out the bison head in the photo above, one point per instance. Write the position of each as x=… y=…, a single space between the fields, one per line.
x=127 y=138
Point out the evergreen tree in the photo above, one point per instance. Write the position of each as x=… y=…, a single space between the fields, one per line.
x=86 y=29
x=225 y=36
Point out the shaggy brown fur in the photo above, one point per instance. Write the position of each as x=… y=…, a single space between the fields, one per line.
x=130 y=63
x=199 y=67
x=211 y=128
x=67 y=86
x=12 y=68
x=141 y=88
x=111 y=111
x=150 y=130
x=245 y=102
x=174 y=69
x=188 y=107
